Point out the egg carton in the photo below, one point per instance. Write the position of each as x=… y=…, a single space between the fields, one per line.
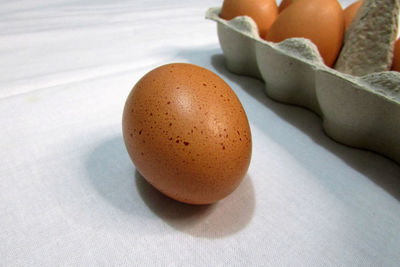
x=362 y=112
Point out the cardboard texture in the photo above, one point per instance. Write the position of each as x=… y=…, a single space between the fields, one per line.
x=362 y=112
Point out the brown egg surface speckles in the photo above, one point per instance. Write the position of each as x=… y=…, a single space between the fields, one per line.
x=187 y=133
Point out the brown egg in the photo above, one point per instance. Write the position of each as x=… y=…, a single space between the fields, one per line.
x=263 y=12
x=396 y=56
x=284 y=4
x=187 y=133
x=350 y=12
x=321 y=21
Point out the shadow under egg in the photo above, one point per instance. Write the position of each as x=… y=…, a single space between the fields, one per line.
x=224 y=218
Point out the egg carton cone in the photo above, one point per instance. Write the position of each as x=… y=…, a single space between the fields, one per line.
x=362 y=112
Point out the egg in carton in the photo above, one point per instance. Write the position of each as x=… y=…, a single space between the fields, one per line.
x=362 y=112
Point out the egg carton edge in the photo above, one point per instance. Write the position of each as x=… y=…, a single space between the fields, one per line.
x=359 y=112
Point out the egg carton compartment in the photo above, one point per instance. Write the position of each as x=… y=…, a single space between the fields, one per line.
x=362 y=112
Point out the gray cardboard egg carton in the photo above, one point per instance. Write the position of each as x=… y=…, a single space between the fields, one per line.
x=361 y=112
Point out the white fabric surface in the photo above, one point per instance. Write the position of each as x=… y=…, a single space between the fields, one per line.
x=70 y=196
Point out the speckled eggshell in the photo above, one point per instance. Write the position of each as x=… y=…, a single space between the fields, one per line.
x=187 y=133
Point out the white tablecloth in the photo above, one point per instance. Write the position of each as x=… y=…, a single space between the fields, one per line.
x=70 y=196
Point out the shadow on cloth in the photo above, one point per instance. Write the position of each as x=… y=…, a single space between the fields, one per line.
x=224 y=218
x=114 y=177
